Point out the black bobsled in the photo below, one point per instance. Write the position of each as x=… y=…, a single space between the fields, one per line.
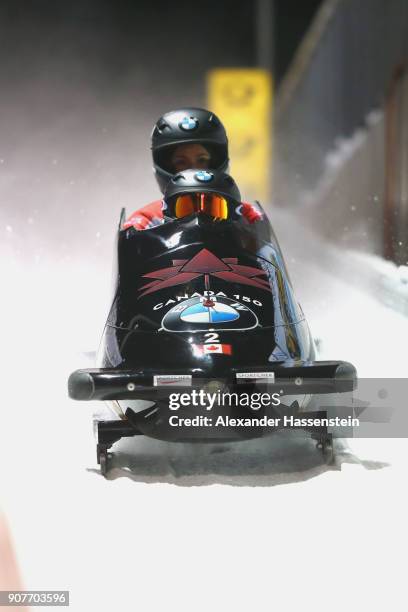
x=202 y=304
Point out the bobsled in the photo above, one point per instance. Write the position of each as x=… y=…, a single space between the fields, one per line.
x=203 y=308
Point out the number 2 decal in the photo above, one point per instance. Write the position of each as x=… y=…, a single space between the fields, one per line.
x=211 y=337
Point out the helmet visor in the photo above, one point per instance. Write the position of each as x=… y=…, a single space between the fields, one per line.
x=210 y=204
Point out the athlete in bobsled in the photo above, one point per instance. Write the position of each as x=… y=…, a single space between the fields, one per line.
x=203 y=305
x=186 y=138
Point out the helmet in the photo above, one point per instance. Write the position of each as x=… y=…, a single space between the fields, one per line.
x=212 y=193
x=187 y=126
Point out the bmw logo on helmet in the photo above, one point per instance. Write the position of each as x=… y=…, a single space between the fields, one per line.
x=203 y=176
x=188 y=123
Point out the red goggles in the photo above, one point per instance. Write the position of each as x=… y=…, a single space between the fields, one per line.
x=210 y=204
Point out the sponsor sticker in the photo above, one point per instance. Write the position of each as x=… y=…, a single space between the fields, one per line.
x=245 y=376
x=176 y=380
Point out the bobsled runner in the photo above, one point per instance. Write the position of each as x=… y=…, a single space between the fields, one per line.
x=204 y=303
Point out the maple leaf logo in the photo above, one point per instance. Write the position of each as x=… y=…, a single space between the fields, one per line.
x=205 y=264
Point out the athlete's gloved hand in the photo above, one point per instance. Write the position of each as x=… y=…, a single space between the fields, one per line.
x=250 y=212
x=146 y=217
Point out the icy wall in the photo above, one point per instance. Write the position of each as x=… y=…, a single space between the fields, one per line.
x=346 y=204
x=340 y=75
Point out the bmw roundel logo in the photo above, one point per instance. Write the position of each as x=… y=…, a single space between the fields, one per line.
x=188 y=123
x=224 y=314
x=203 y=176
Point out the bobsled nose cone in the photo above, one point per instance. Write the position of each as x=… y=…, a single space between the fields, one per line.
x=81 y=385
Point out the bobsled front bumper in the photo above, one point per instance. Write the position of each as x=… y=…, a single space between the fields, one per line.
x=317 y=377
x=290 y=382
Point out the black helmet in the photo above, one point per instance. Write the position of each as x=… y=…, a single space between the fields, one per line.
x=187 y=126
x=212 y=192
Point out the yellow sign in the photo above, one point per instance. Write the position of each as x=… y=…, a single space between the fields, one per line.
x=242 y=99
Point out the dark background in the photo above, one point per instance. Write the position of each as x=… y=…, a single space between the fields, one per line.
x=82 y=83
x=114 y=35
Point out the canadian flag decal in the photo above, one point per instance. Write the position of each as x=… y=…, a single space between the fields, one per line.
x=208 y=349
